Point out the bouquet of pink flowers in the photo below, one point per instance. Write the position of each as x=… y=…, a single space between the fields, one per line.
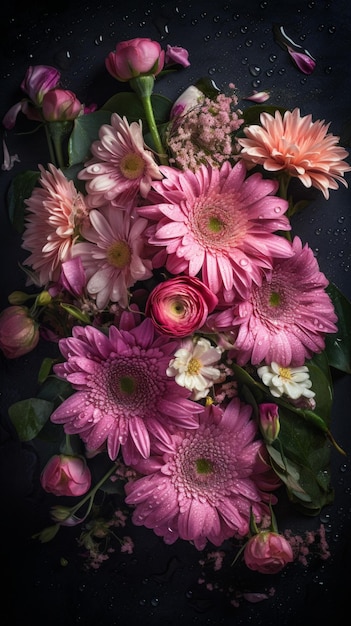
x=196 y=334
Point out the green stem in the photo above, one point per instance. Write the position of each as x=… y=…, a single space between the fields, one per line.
x=50 y=146
x=146 y=101
x=91 y=494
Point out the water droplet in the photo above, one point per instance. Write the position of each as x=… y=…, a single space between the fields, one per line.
x=343 y=467
x=272 y=58
x=332 y=29
x=212 y=70
x=243 y=262
x=254 y=70
x=269 y=73
x=98 y=40
x=277 y=209
x=243 y=29
x=256 y=83
x=154 y=601
x=248 y=43
x=318 y=231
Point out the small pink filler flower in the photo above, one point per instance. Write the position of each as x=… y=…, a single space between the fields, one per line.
x=207 y=481
x=299 y=146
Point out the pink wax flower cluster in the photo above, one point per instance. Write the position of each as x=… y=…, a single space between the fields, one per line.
x=191 y=321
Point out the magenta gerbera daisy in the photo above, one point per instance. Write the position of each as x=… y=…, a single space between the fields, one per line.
x=55 y=211
x=207 y=482
x=286 y=319
x=219 y=223
x=113 y=254
x=123 y=392
x=122 y=165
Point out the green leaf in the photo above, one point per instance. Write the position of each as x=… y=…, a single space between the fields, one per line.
x=338 y=345
x=129 y=105
x=85 y=131
x=252 y=114
x=55 y=390
x=29 y=417
x=307 y=451
x=20 y=189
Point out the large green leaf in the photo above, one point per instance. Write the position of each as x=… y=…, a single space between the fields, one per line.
x=338 y=345
x=85 y=131
x=29 y=417
x=128 y=104
x=21 y=187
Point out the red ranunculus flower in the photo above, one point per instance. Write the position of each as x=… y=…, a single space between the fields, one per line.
x=180 y=306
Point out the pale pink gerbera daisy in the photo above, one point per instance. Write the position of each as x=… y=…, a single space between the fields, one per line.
x=207 y=482
x=55 y=213
x=121 y=166
x=286 y=319
x=123 y=392
x=299 y=146
x=218 y=223
x=113 y=254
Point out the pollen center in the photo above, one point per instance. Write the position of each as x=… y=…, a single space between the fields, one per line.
x=215 y=224
x=127 y=385
x=132 y=166
x=194 y=366
x=119 y=254
x=285 y=372
x=274 y=299
x=203 y=466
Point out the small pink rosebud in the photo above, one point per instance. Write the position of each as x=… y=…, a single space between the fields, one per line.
x=66 y=475
x=304 y=62
x=175 y=55
x=19 y=332
x=40 y=79
x=61 y=105
x=267 y=552
x=269 y=421
x=135 y=57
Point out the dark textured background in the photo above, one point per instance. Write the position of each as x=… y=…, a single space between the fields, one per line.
x=229 y=42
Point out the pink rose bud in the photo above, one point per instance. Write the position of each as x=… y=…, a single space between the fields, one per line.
x=65 y=475
x=267 y=552
x=19 y=332
x=269 y=421
x=180 y=306
x=61 y=105
x=135 y=57
x=73 y=278
x=304 y=62
x=190 y=98
x=40 y=79
x=177 y=55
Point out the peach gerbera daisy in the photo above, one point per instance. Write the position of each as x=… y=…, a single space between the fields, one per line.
x=55 y=212
x=121 y=164
x=299 y=146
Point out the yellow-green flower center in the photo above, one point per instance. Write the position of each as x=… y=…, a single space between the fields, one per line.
x=203 y=466
x=274 y=299
x=119 y=254
x=127 y=385
x=132 y=166
x=285 y=372
x=215 y=224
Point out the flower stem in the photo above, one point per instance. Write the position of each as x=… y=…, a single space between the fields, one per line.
x=146 y=101
x=91 y=494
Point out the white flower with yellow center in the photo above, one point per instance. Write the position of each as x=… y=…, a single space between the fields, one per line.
x=292 y=382
x=192 y=366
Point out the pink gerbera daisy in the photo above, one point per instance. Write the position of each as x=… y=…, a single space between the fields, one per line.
x=207 y=482
x=299 y=146
x=113 y=254
x=123 y=392
x=55 y=213
x=121 y=166
x=286 y=319
x=220 y=224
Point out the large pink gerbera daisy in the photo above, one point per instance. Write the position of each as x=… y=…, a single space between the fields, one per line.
x=299 y=146
x=286 y=319
x=121 y=166
x=123 y=392
x=113 y=254
x=207 y=482
x=55 y=212
x=220 y=224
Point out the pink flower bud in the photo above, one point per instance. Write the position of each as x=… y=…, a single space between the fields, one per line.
x=61 y=105
x=303 y=61
x=135 y=57
x=179 y=306
x=65 y=475
x=267 y=552
x=39 y=79
x=177 y=55
x=269 y=421
x=190 y=98
x=19 y=332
